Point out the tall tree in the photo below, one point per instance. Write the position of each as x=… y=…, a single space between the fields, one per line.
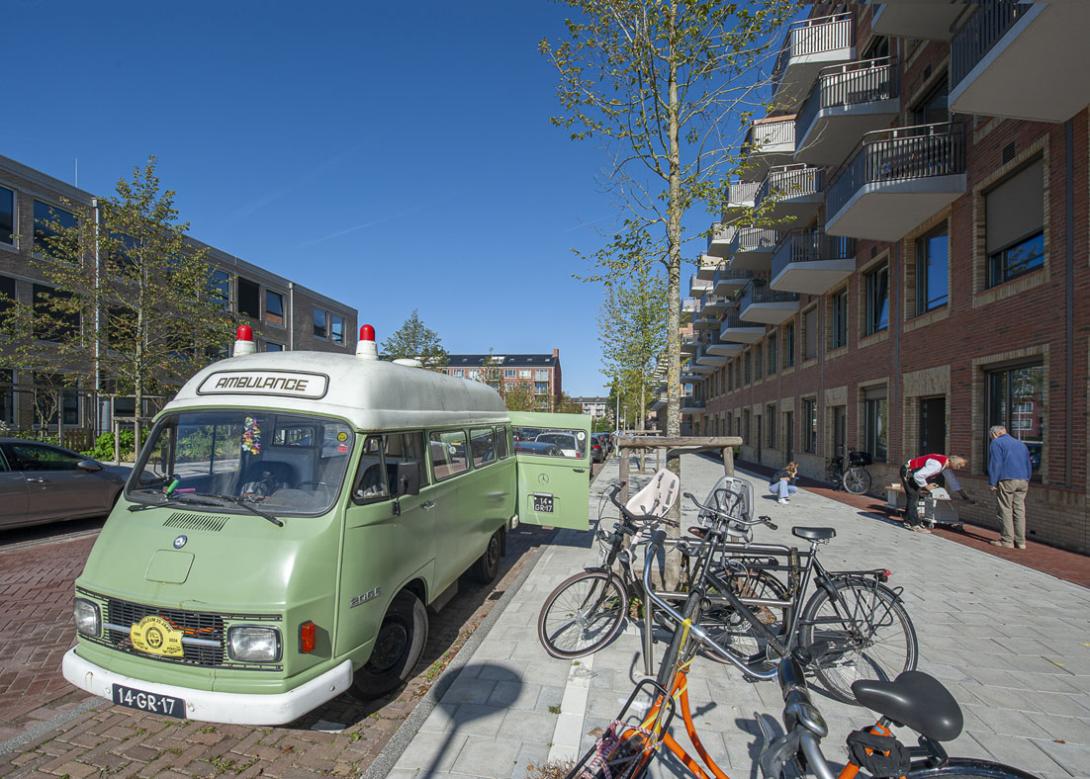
x=415 y=340
x=632 y=332
x=520 y=397
x=657 y=79
x=131 y=305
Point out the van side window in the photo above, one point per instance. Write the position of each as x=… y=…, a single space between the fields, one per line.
x=483 y=445
x=501 y=443
x=551 y=442
x=371 y=483
x=448 y=453
x=404 y=457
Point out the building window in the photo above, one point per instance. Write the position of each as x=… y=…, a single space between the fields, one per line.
x=810 y=334
x=838 y=310
x=745 y=425
x=773 y=357
x=1015 y=214
x=458 y=373
x=840 y=430
x=7 y=216
x=271 y=346
x=1016 y=400
x=336 y=328
x=876 y=424
x=7 y=294
x=541 y=375
x=508 y=373
x=789 y=435
x=248 y=298
x=747 y=370
x=219 y=288
x=876 y=287
x=809 y=425
x=321 y=329
x=46 y=219
x=758 y=362
x=7 y=396
x=789 y=345
x=541 y=388
x=525 y=373
x=54 y=321
x=932 y=425
x=770 y=418
x=932 y=262
x=274 y=308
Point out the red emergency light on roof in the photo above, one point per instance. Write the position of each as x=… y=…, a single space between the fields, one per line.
x=367 y=333
x=365 y=347
x=244 y=333
x=244 y=341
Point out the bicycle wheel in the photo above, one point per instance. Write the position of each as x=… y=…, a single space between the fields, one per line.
x=967 y=768
x=732 y=630
x=583 y=614
x=857 y=480
x=867 y=636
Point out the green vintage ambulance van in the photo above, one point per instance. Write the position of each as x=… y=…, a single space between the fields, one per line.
x=291 y=518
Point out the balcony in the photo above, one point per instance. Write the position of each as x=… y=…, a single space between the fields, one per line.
x=930 y=21
x=811 y=262
x=708 y=266
x=691 y=405
x=751 y=248
x=719 y=240
x=689 y=307
x=727 y=281
x=846 y=102
x=897 y=179
x=792 y=192
x=769 y=141
x=739 y=197
x=698 y=286
x=759 y=303
x=714 y=305
x=689 y=344
x=735 y=330
x=1022 y=61
x=811 y=44
x=725 y=349
x=705 y=358
x=706 y=319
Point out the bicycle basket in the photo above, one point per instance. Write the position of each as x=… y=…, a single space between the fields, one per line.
x=860 y=458
x=624 y=748
x=733 y=496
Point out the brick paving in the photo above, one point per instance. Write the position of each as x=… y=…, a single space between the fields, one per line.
x=339 y=739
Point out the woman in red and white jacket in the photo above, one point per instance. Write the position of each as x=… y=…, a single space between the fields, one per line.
x=920 y=474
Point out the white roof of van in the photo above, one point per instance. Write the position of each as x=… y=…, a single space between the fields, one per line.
x=370 y=394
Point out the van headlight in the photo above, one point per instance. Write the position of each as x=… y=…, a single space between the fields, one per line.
x=88 y=621
x=252 y=644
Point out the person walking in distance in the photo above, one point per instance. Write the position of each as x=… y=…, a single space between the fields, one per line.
x=922 y=474
x=782 y=483
x=1009 y=471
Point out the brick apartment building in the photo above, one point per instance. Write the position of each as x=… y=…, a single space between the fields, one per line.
x=542 y=371
x=928 y=273
x=285 y=315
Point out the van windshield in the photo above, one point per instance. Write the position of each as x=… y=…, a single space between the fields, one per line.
x=279 y=463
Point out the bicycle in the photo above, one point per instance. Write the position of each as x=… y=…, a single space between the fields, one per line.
x=587 y=611
x=856 y=479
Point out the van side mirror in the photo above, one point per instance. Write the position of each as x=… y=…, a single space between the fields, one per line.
x=408 y=478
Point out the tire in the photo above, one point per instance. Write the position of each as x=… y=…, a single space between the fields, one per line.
x=890 y=649
x=398 y=647
x=967 y=768
x=583 y=614
x=730 y=629
x=857 y=480
x=487 y=565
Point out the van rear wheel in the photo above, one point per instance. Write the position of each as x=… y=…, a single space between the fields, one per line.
x=397 y=649
x=488 y=564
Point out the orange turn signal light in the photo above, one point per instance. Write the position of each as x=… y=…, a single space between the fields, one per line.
x=308 y=637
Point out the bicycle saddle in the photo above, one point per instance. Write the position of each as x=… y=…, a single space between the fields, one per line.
x=814 y=533
x=916 y=700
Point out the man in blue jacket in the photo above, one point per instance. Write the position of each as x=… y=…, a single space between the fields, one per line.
x=1009 y=471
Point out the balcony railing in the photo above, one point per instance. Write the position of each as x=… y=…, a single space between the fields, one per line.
x=842 y=86
x=900 y=154
x=729 y=274
x=980 y=33
x=762 y=135
x=814 y=36
x=688 y=401
x=734 y=320
x=762 y=293
x=742 y=193
x=690 y=305
x=811 y=246
x=789 y=181
x=752 y=239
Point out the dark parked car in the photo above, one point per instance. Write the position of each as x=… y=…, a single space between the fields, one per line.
x=597 y=451
x=538 y=447
x=43 y=483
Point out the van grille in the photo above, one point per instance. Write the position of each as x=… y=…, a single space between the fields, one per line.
x=186 y=521
x=121 y=615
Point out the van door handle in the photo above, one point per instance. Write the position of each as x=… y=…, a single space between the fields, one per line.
x=35 y=480
x=428 y=505
x=498 y=494
x=580 y=470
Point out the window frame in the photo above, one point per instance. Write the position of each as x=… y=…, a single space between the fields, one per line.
x=324 y=334
x=923 y=269
x=14 y=242
x=333 y=320
x=283 y=315
x=435 y=478
x=240 y=282
x=990 y=373
x=42 y=250
x=772 y=353
x=1005 y=252
x=838 y=319
x=810 y=422
x=870 y=325
x=789 y=345
x=871 y=435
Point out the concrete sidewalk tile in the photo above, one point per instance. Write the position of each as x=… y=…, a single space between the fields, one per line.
x=529 y=760
x=527 y=726
x=468 y=691
x=432 y=751
x=1075 y=758
x=487 y=757
x=514 y=695
x=1019 y=752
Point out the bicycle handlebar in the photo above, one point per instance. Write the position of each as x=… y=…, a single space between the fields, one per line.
x=720 y=513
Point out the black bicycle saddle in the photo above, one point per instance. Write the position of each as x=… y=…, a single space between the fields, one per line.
x=814 y=533
x=915 y=700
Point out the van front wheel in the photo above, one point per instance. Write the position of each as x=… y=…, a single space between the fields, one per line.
x=397 y=649
x=488 y=564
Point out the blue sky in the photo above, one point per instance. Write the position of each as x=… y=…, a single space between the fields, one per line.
x=393 y=155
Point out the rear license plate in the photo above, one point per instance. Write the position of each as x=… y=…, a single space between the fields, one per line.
x=149 y=701
x=543 y=503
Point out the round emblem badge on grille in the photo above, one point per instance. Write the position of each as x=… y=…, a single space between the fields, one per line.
x=179 y=542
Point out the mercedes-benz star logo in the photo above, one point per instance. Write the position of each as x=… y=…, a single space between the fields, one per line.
x=179 y=542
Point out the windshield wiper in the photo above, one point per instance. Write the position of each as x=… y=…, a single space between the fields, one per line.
x=176 y=500
x=249 y=506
